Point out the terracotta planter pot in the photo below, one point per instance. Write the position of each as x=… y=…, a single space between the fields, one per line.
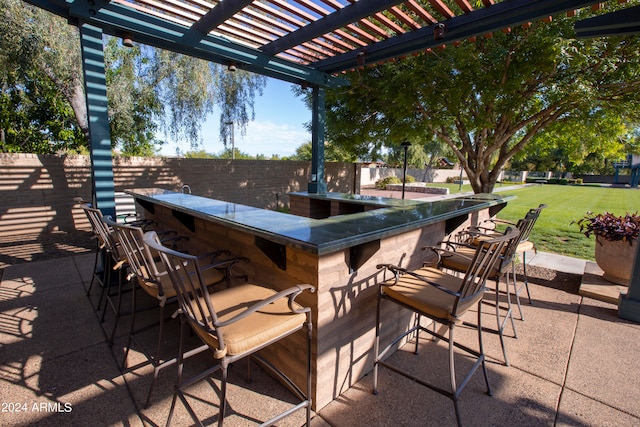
x=616 y=259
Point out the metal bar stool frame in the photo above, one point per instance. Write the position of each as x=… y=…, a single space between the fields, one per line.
x=147 y=273
x=198 y=311
x=451 y=298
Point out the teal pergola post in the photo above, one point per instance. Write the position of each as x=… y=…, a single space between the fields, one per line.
x=318 y=183
x=95 y=87
x=629 y=304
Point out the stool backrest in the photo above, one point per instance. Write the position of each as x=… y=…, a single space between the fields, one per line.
x=485 y=259
x=103 y=232
x=526 y=224
x=139 y=256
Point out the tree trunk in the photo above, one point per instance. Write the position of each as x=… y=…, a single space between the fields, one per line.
x=73 y=91
x=78 y=103
x=480 y=183
x=487 y=187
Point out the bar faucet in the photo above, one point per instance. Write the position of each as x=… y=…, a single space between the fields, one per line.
x=186 y=189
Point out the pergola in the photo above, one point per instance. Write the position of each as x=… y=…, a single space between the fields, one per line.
x=306 y=42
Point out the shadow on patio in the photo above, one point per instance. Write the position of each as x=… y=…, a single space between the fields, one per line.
x=573 y=364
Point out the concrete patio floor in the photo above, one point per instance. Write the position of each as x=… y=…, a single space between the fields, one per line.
x=573 y=364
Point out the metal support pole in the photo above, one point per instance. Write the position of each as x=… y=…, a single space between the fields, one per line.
x=405 y=145
x=95 y=88
x=318 y=183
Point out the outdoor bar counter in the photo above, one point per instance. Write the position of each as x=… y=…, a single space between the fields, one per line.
x=337 y=252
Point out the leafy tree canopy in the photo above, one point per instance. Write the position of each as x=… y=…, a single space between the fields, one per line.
x=149 y=90
x=198 y=154
x=224 y=154
x=37 y=79
x=332 y=153
x=487 y=99
x=579 y=146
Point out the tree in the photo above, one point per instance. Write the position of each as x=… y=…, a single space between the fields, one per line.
x=304 y=152
x=237 y=154
x=421 y=153
x=145 y=86
x=132 y=98
x=190 y=88
x=487 y=99
x=332 y=153
x=34 y=118
x=34 y=67
x=198 y=154
x=575 y=146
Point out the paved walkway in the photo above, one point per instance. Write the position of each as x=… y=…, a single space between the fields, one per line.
x=574 y=364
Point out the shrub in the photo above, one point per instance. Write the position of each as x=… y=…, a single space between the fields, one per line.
x=533 y=180
x=611 y=227
x=382 y=183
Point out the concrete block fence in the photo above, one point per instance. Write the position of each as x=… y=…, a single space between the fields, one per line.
x=37 y=191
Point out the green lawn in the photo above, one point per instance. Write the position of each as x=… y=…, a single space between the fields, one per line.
x=553 y=231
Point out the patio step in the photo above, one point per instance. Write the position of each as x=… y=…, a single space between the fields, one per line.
x=596 y=287
x=556 y=262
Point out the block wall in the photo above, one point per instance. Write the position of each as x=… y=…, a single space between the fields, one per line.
x=37 y=191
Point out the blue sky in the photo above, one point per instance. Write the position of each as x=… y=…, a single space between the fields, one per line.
x=278 y=127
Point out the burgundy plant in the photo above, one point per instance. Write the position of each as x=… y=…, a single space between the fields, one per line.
x=610 y=226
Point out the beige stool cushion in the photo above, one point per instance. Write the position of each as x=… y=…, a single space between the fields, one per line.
x=426 y=298
x=258 y=328
x=527 y=245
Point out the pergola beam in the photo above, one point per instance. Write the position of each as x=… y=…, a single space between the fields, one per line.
x=219 y=14
x=620 y=23
x=118 y=20
x=338 y=19
x=95 y=87
x=477 y=23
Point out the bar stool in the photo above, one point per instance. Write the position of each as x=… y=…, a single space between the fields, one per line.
x=235 y=323
x=113 y=261
x=488 y=227
x=456 y=256
x=444 y=298
x=100 y=259
x=525 y=246
x=148 y=273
